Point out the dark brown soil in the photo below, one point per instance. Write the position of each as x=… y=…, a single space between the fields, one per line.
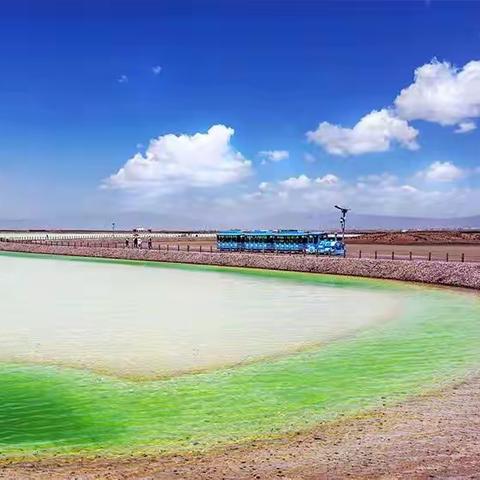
x=418 y=238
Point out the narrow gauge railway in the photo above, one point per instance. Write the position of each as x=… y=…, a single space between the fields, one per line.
x=280 y=241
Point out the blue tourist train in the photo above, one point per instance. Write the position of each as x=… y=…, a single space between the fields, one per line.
x=286 y=241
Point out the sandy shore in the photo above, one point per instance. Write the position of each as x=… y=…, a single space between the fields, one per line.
x=431 y=436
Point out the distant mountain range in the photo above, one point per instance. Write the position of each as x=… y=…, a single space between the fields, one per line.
x=358 y=221
x=327 y=221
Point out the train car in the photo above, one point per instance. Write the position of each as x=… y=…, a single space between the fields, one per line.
x=283 y=241
x=290 y=241
x=332 y=246
x=230 y=241
x=314 y=242
x=258 y=241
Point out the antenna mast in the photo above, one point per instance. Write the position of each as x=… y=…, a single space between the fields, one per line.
x=342 y=220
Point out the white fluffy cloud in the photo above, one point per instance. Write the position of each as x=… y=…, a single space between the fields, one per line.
x=273 y=155
x=156 y=69
x=442 y=93
x=303 y=181
x=296 y=183
x=442 y=172
x=375 y=132
x=174 y=162
x=373 y=193
x=328 y=179
x=465 y=127
x=383 y=194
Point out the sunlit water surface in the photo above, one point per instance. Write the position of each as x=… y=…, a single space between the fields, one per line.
x=90 y=352
x=155 y=322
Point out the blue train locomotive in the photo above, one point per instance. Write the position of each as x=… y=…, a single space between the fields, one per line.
x=286 y=241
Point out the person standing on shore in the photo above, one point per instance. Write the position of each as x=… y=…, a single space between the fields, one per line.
x=149 y=243
x=126 y=243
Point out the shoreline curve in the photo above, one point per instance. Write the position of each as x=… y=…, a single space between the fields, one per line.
x=452 y=274
x=430 y=436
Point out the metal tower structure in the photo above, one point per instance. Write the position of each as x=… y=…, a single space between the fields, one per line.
x=343 y=220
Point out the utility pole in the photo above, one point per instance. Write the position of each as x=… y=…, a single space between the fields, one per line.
x=342 y=220
x=113 y=228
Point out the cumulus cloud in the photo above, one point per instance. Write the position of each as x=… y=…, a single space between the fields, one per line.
x=273 y=155
x=465 y=127
x=296 y=183
x=328 y=179
x=442 y=93
x=172 y=163
x=303 y=181
x=442 y=172
x=408 y=188
x=122 y=79
x=156 y=69
x=375 y=132
x=381 y=194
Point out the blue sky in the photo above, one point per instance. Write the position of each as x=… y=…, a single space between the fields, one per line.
x=86 y=85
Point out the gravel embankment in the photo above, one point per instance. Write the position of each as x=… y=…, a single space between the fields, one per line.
x=454 y=274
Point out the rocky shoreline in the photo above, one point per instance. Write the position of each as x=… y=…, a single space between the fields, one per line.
x=453 y=274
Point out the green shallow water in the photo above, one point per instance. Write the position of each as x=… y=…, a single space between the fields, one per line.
x=48 y=410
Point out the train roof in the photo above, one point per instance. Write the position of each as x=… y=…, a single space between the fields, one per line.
x=269 y=232
x=289 y=232
x=258 y=232
x=230 y=232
